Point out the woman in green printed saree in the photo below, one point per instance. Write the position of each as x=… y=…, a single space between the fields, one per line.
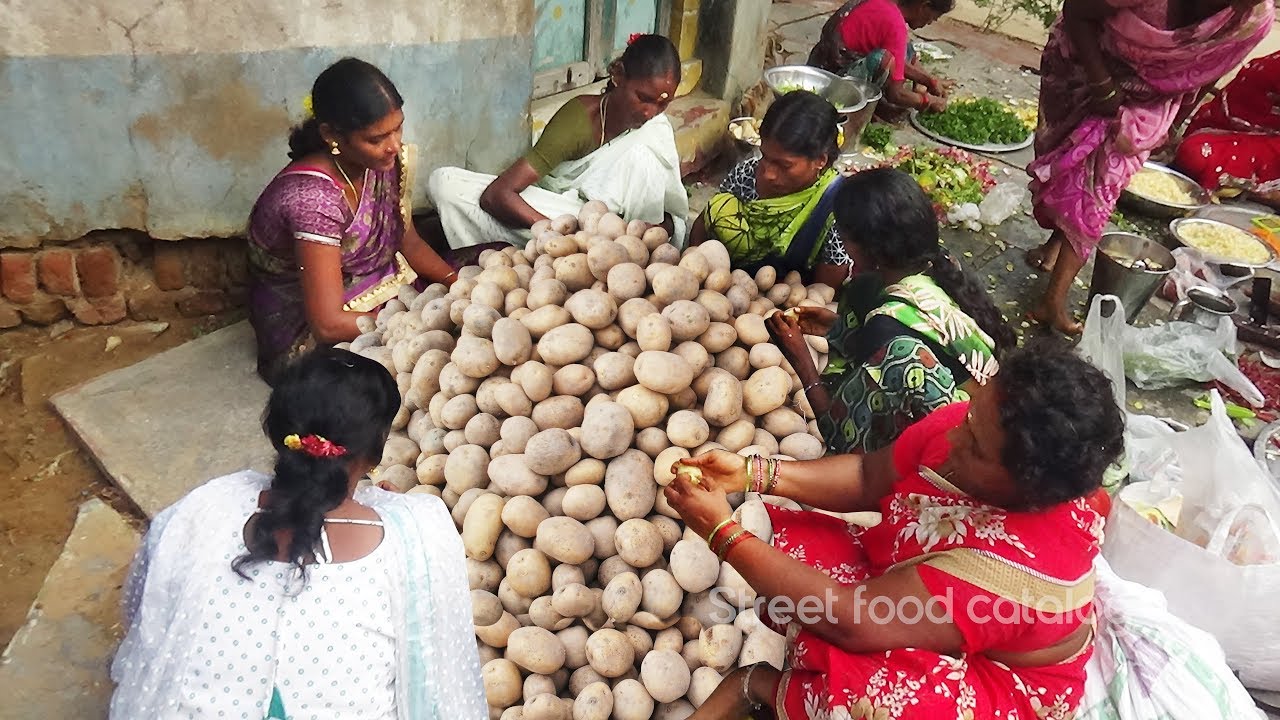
x=911 y=328
x=776 y=209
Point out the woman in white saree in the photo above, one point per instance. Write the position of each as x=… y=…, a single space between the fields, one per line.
x=297 y=596
x=616 y=147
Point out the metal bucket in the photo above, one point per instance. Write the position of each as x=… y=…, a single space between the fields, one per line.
x=1130 y=267
x=856 y=122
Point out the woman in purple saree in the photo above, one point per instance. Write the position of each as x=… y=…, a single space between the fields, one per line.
x=331 y=238
x=1116 y=75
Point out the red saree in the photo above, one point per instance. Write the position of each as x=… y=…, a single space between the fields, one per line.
x=1237 y=133
x=1011 y=582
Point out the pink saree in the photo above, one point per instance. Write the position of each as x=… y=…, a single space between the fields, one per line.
x=1084 y=161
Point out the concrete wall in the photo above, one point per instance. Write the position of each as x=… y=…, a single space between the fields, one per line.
x=169 y=116
x=731 y=40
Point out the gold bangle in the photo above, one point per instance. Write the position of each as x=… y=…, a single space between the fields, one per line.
x=728 y=543
x=719 y=527
x=746 y=470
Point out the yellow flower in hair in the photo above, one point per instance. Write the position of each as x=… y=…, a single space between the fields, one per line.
x=293 y=442
x=306 y=106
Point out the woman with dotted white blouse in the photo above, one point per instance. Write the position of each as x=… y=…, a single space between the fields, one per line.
x=297 y=596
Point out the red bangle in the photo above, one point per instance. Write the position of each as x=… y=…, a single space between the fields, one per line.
x=732 y=542
x=724 y=532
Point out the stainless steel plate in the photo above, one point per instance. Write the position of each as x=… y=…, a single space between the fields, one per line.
x=988 y=148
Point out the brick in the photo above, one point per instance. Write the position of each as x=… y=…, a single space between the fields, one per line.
x=57 y=270
x=205 y=302
x=204 y=266
x=167 y=265
x=98 y=311
x=43 y=310
x=99 y=271
x=9 y=316
x=154 y=305
x=18 y=276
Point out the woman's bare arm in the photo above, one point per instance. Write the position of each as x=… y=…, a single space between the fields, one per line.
x=323 y=292
x=502 y=198
x=424 y=260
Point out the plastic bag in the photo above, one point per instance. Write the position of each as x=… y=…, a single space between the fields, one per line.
x=1103 y=341
x=1149 y=444
x=1001 y=203
x=1230 y=507
x=1147 y=663
x=1191 y=270
x=1167 y=355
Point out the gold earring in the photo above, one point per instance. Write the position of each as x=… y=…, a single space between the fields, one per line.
x=333 y=149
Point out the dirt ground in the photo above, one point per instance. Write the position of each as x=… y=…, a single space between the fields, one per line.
x=45 y=472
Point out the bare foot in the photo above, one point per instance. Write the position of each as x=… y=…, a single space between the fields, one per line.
x=1044 y=257
x=1057 y=319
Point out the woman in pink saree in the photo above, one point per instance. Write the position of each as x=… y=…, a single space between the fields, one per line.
x=1116 y=76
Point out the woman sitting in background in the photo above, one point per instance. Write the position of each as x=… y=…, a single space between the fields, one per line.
x=617 y=147
x=297 y=596
x=1235 y=137
x=776 y=209
x=912 y=331
x=971 y=599
x=869 y=40
x=331 y=238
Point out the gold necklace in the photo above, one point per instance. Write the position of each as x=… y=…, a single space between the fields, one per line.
x=604 y=114
x=351 y=185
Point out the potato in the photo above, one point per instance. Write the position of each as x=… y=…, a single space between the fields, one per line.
x=653 y=333
x=544 y=319
x=751 y=330
x=502 y=684
x=562 y=412
x=584 y=502
x=754 y=517
x=594 y=702
x=611 y=430
x=587 y=471
x=602 y=531
x=512 y=344
x=610 y=653
x=483 y=429
x=720 y=646
x=622 y=596
x=572 y=380
x=647 y=407
x=631 y=701
x=718 y=337
x=496 y=635
x=665 y=254
x=485 y=608
x=615 y=371
x=566 y=344
x=512 y=400
x=687 y=429
x=662 y=594
x=688 y=319
x=665 y=675
x=535 y=379
x=783 y=422
x=663 y=372
x=639 y=543
x=662 y=464
x=629 y=486
x=604 y=256
x=626 y=281
x=515 y=433
x=521 y=514
x=546 y=292
x=733 y=588
x=482 y=526
x=763 y=645
x=802 y=446
x=467 y=468
x=565 y=540
x=694 y=566
x=536 y=650
x=765 y=390
x=574 y=271
x=611 y=226
x=483 y=575
x=594 y=309
x=697 y=264
x=529 y=573
x=675 y=283
x=735 y=362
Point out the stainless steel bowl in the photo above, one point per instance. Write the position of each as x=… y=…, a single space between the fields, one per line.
x=844 y=93
x=1159 y=209
x=1175 y=232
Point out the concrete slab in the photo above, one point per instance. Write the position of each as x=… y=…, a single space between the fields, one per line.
x=175 y=420
x=701 y=123
x=58 y=663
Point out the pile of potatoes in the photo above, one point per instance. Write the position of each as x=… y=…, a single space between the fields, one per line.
x=547 y=394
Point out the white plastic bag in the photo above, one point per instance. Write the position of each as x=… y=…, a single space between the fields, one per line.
x=1001 y=203
x=1149 y=445
x=1167 y=355
x=1230 y=506
x=1148 y=664
x=1103 y=341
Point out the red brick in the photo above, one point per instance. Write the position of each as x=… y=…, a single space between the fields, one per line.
x=154 y=305
x=18 y=276
x=57 y=270
x=99 y=270
x=204 y=266
x=98 y=311
x=205 y=302
x=9 y=316
x=167 y=265
x=43 y=310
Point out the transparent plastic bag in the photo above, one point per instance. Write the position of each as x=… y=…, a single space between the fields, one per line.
x=1001 y=203
x=1168 y=355
x=1103 y=341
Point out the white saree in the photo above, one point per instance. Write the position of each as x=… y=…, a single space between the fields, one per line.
x=637 y=174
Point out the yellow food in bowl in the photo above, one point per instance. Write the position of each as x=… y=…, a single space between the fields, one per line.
x=1224 y=242
x=1161 y=187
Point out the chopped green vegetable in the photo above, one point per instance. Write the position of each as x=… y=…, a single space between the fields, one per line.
x=877 y=136
x=977 y=121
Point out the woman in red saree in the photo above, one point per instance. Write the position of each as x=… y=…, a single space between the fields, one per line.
x=972 y=598
x=1116 y=75
x=1236 y=135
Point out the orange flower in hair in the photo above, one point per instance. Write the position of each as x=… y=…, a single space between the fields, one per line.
x=315 y=446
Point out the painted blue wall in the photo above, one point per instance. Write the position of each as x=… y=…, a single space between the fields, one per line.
x=180 y=145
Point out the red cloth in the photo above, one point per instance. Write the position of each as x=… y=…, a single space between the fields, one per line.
x=1237 y=133
x=919 y=518
x=878 y=25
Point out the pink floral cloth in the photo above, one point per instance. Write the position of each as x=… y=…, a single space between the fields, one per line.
x=1083 y=161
